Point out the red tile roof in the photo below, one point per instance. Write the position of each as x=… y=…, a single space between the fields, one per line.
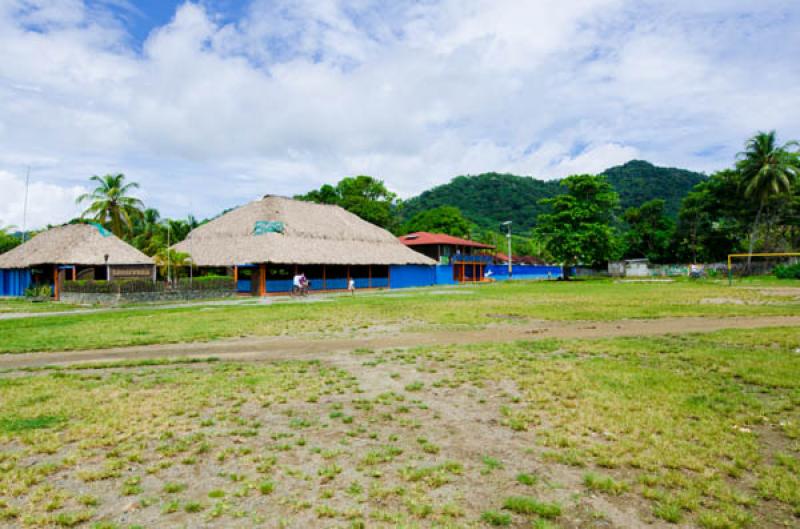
x=421 y=238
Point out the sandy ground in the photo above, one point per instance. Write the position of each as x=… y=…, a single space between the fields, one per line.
x=294 y=347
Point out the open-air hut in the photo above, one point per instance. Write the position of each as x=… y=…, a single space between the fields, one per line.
x=70 y=252
x=266 y=242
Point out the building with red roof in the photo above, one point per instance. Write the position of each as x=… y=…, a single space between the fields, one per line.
x=467 y=257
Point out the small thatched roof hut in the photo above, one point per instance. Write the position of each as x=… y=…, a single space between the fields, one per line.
x=74 y=244
x=286 y=231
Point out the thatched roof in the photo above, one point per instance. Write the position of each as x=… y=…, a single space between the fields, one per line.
x=294 y=232
x=73 y=244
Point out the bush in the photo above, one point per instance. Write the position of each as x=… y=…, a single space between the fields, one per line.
x=211 y=282
x=787 y=271
x=38 y=291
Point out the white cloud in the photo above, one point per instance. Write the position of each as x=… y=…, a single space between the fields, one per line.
x=45 y=201
x=211 y=112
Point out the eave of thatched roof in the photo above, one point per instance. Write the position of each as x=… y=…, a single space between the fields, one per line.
x=312 y=234
x=73 y=244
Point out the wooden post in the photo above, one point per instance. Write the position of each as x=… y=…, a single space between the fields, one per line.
x=55 y=283
x=74 y=273
x=236 y=274
x=348 y=275
x=389 y=276
x=369 y=276
x=324 y=277
x=262 y=279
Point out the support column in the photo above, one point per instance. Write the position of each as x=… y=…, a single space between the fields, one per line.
x=389 y=276
x=236 y=274
x=74 y=273
x=262 y=279
x=369 y=276
x=348 y=275
x=324 y=277
x=474 y=277
x=55 y=283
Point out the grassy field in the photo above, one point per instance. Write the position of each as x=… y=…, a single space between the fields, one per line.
x=413 y=310
x=22 y=305
x=699 y=430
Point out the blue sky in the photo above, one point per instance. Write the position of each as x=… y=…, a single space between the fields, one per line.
x=211 y=104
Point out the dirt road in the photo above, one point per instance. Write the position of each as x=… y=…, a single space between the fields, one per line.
x=293 y=347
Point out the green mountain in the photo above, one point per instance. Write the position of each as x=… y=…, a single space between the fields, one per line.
x=491 y=198
x=638 y=181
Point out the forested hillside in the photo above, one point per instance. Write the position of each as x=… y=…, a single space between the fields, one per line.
x=490 y=198
x=638 y=182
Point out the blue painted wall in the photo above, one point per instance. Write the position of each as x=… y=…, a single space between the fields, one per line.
x=405 y=276
x=13 y=282
x=444 y=275
x=500 y=272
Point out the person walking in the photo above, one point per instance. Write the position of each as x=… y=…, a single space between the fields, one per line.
x=351 y=286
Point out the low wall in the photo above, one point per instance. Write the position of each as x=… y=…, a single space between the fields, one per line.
x=85 y=298
x=500 y=272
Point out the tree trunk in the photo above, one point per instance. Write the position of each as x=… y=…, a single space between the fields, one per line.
x=753 y=235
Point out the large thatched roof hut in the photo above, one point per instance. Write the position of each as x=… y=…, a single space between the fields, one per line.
x=267 y=241
x=73 y=251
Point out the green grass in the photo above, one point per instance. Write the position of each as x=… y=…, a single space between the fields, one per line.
x=418 y=309
x=686 y=417
x=22 y=305
x=528 y=505
x=702 y=430
x=496 y=519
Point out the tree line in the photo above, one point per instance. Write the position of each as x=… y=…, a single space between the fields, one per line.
x=754 y=205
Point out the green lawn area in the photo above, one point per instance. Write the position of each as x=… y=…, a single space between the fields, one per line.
x=418 y=309
x=701 y=430
x=18 y=305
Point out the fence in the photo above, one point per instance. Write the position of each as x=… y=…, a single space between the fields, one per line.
x=133 y=286
x=143 y=290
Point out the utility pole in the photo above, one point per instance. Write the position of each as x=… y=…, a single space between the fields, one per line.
x=25 y=205
x=508 y=236
x=169 y=276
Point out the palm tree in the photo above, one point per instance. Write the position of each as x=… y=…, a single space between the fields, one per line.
x=149 y=234
x=171 y=263
x=111 y=205
x=766 y=169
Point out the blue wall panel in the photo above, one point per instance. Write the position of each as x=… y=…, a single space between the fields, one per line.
x=14 y=282
x=500 y=272
x=444 y=275
x=405 y=276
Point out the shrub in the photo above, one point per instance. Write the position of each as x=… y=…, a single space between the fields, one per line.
x=38 y=291
x=787 y=271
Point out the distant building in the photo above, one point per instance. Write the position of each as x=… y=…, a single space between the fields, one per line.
x=629 y=268
x=70 y=252
x=265 y=243
x=468 y=258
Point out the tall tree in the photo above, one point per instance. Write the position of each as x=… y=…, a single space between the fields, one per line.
x=7 y=241
x=649 y=232
x=444 y=219
x=148 y=232
x=111 y=205
x=766 y=169
x=577 y=228
x=362 y=195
